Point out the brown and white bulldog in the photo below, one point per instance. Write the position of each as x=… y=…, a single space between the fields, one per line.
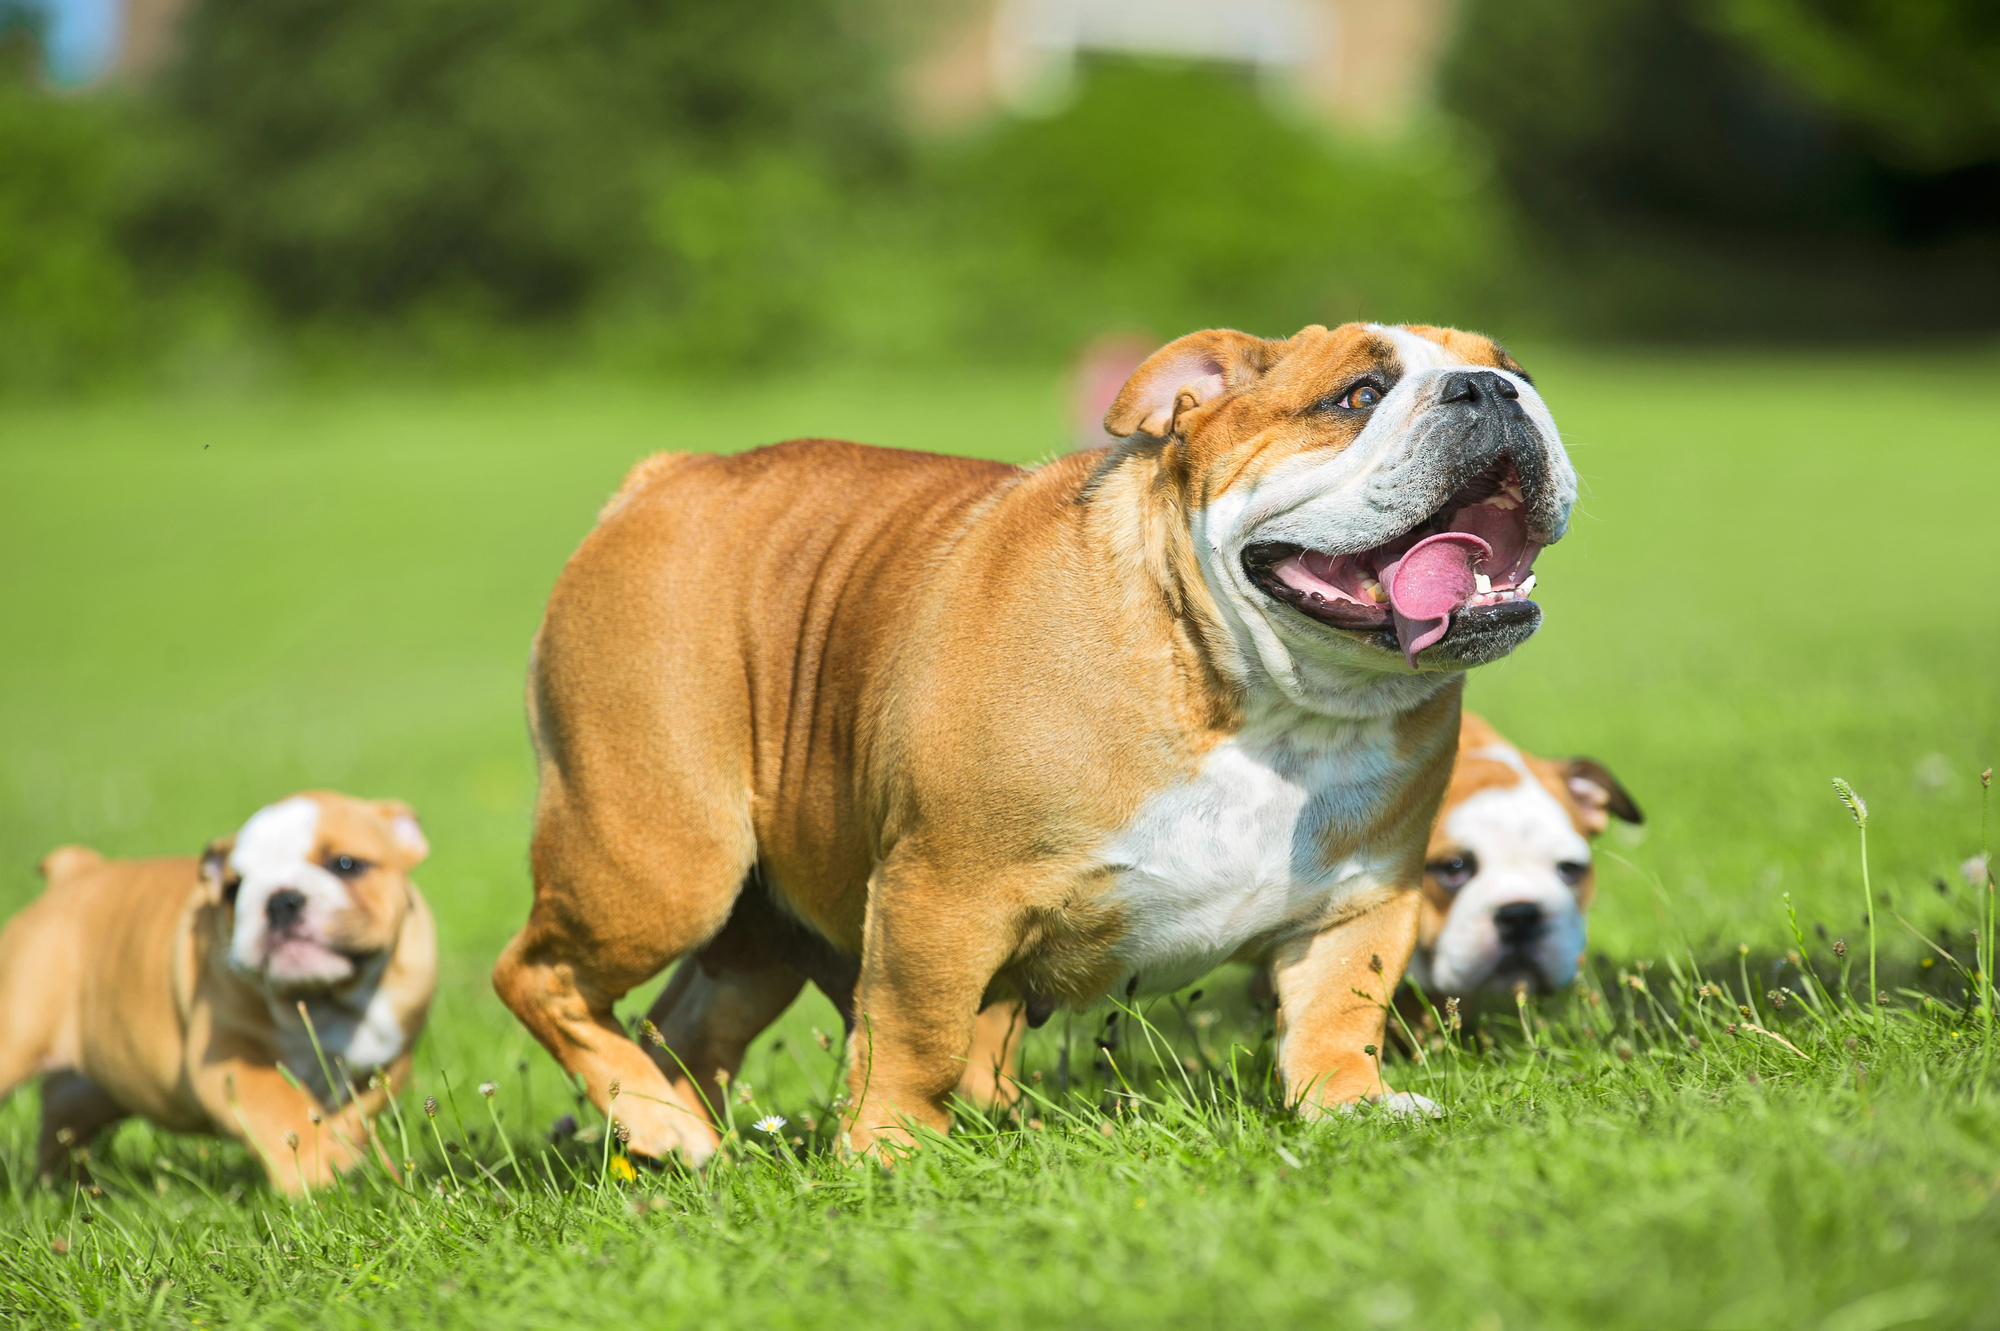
x=170 y=988
x=936 y=733
x=1509 y=873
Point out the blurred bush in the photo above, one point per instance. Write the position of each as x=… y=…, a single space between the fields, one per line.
x=506 y=159
x=68 y=305
x=1919 y=78
x=1170 y=199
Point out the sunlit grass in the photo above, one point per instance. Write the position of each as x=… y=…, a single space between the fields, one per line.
x=1780 y=573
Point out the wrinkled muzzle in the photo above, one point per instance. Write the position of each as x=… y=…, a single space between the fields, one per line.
x=1424 y=532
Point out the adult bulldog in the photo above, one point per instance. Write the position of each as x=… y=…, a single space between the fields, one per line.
x=935 y=732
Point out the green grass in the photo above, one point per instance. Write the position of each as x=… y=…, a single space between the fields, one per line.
x=1783 y=571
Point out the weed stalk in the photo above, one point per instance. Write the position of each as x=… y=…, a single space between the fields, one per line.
x=1986 y=985
x=1858 y=807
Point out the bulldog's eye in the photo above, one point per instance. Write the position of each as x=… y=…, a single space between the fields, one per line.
x=1360 y=397
x=1455 y=872
x=1572 y=871
x=346 y=866
x=230 y=887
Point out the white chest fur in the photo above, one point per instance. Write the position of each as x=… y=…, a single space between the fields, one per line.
x=358 y=1033
x=1236 y=856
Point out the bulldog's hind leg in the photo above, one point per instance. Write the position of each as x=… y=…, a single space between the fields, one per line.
x=708 y=1019
x=992 y=1077
x=37 y=994
x=618 y=896
x=74 y=1110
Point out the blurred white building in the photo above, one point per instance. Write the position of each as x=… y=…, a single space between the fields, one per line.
x=1364 y=64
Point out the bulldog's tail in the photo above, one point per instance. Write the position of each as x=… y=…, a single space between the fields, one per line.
x=65 y=860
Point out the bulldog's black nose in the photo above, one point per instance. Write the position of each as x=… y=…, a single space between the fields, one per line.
x=1481 y=387
x=284 y=908
x=1519 y=923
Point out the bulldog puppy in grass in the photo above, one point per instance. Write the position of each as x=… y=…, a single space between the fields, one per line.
x=175 y=988
x=938 y=733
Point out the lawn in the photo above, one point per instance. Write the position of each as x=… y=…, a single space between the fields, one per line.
x=1783 y=570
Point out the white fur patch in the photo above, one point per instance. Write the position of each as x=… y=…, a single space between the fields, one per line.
x=357 y=1030
x=1518 y=834
x=1232 y=857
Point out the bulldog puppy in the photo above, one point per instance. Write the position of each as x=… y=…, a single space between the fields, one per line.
x=1509 y=875
x=1507 y=879
x=170 y=988
x=939 y=733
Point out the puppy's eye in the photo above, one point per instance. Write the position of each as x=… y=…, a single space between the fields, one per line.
x=1572 y=871
x=346 y=866
x=1455 y=872
x=230 y=887
x=1360 y=397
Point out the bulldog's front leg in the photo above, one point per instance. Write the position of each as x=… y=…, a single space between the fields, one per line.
x=302 y=1146
x=1334 y=990
x=931 y=947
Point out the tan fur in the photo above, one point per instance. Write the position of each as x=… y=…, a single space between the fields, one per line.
x=115 y=985
x=915 y=694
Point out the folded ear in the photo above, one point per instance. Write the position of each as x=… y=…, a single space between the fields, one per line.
x=215 y=868
x=1599 y=795
x=1185 y=374
x=404 y=828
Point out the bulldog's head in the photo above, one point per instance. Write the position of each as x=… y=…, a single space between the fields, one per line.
x=313 y=888
x=1365 y=501
x=1508 y=874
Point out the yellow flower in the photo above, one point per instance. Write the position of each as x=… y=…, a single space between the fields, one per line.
x=623 y=1168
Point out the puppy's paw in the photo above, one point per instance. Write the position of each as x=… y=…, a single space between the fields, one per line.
x=1399 y=1104
x=663 y=1131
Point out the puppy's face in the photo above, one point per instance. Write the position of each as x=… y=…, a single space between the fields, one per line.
x=1364 y=500
x=1509 y=874
x=313 y=887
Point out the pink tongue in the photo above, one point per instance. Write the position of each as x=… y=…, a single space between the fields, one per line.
x=1429 y=584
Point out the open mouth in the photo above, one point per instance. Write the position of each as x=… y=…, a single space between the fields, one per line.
x=294 y=958
x=1474 y=553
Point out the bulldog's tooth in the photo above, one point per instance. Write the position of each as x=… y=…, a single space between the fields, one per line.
x=1481 y=583
x=1527 y=584
x=1374 y=590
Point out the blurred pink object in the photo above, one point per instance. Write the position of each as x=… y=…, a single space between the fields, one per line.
x=1100 y=370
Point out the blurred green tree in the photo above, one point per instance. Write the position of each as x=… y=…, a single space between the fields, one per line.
x=504 y=158
x=1695 y=165
x=68 y=304
x=1920 y=77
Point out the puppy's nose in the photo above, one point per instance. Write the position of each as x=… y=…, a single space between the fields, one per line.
x=284 y=907
x=1482 y=388
x=1519 y=922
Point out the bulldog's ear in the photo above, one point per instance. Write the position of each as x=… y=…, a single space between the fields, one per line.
x=1183 y=375
x=404 y=828
x=215 y=868
x=1598 y=795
